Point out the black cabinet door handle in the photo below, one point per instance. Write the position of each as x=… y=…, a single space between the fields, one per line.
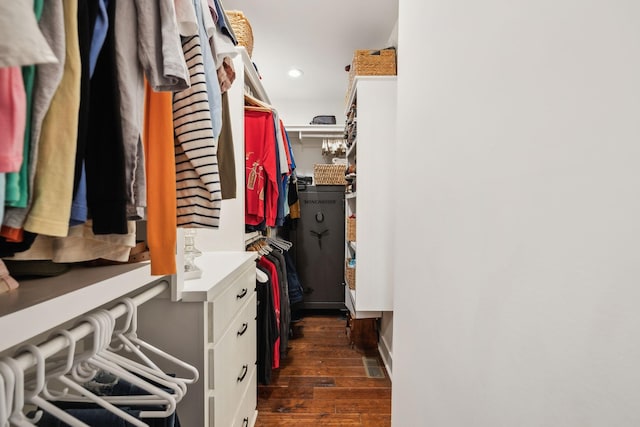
x=244 y=328
x=242 y=293
x=245 y=422
x=245 y=369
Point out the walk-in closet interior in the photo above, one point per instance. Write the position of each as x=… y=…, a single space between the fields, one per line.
x=233 y=213
x=174 y=230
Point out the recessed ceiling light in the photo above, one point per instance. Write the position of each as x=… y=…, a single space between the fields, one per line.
x=295 y=73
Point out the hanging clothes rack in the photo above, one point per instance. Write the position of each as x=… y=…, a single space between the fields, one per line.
x=49 y=348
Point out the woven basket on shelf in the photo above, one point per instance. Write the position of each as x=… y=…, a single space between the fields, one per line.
x=326 y=174
x=350 y=275
x=372 y=63
x=241 y=28
x=351 y=229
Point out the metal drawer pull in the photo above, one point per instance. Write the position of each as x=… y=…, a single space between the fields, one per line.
x=244 y=328
x=245 y=369
x=245 y=422
x=242 y=293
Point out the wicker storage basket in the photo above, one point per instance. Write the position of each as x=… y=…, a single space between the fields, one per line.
x=350 y=275
x=372 y=63
x=329 y=174
x=241 y=28
x=351 y=229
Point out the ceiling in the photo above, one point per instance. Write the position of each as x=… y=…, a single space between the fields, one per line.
x=316 y=37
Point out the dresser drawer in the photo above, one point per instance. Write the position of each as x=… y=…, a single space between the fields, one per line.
x=234 y=413
x=246 y=415
x=225 y=306
x=232 y=363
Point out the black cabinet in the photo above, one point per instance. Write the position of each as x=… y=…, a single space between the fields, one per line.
x=319 y=246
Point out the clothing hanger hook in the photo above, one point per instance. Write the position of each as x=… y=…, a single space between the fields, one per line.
x=40 y=367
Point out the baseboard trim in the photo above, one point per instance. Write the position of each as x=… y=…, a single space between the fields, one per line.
x=385 y=354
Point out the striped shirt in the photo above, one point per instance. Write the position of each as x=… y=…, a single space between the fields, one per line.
x=197 y=177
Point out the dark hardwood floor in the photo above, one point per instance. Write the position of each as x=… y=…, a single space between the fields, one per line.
x=323 y=382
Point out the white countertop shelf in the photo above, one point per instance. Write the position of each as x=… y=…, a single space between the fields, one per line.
x=217 y=267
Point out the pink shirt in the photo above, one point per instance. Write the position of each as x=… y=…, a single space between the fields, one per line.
x=13 y=116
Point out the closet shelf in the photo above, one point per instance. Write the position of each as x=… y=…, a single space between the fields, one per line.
x=350 y=301
x=316 y=131
x=252 y=77
x=40 y=304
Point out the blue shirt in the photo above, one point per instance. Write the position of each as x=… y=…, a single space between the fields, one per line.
x=223 y=23
x=211 y=75
x=99 y=34
x=79 y=209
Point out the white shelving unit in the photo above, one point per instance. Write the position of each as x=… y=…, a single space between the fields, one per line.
x=251 y=76
x=375 y=100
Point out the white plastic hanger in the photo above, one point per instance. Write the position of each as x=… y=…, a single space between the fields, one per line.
x=3 y=403
x=17 y=417
x=32 y=396
x=129 y=366
x=261 y=276
x=265 y=249
x=59 y=375
x=280 y=243
x=94 y=360
x=153 y=374
x=6 y=394
x=133 y=343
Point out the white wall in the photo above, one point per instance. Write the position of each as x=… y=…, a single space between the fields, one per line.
x=306 y=153
x=518 y=265
x=230 y=235
x=393 y=37
x=385 y=342
x=301 y=112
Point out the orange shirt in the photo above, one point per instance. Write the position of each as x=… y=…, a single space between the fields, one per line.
x=160 y=166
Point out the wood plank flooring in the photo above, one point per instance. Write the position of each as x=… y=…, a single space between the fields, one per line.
x=322 y=382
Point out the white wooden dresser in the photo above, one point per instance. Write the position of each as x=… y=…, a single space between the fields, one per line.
x=214 y=329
